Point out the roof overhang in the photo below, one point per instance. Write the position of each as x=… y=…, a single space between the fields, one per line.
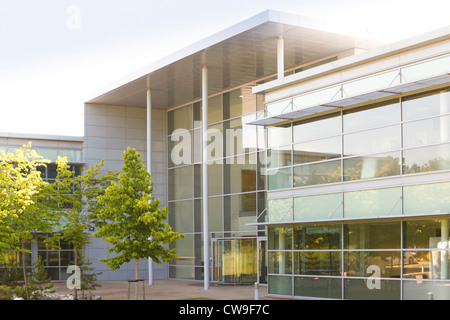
x=236 y=56
x=389 y=92
x=396 y=89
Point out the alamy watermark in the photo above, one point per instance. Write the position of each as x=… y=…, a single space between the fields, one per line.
x=74 y=281
x=225 y=146
x=74 y=19
x=374 y=281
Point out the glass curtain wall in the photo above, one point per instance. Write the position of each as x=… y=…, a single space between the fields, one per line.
x=406 y=201
x=55 y=261
x=391 y=260
x=236 y=182
x=405 y=256
x=391 y=138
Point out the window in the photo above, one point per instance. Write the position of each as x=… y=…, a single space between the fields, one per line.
x=317 y=150
x=387 y=260
x=321 y=127
x=426 y=104
x=55 y=261
x=372 y=116
x=319 y=173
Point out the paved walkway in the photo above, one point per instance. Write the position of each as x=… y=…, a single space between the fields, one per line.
x=173 y=290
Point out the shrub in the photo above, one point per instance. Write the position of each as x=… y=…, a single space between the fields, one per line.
x=20 y=292
x=6 y=293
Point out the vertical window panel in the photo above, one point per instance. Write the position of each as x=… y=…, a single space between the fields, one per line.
x=280 y=238
x=279 y=136
x=215 y=205
x=181 y=182
x=279 y=157
x=215 y=113
x=240 y=174
x=240 y=210
x=279 y=179
x=181 y=118
x=181 y=216
x=280 y=210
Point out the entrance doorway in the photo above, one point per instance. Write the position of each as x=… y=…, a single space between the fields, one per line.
x=239 y=260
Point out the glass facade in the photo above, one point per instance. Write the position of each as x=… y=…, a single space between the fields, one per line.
x=55 y=261
x=375 y=260
x=386 y=139
x=374 y=242
x=367 y=243
x=236 y=181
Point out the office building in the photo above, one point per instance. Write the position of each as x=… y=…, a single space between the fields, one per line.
x=292 y=154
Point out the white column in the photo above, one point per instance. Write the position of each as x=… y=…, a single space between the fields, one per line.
x=149 y=163
x=444 y=245
x=280 y=57
x=205 y=176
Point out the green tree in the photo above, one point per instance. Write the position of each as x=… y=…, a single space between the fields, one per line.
x=40 y=281
x=23 y=209
x=76 y=199
x=132 y=220
x=88 y=278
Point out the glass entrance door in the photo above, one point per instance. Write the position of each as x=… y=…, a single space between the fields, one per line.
x=236 y=261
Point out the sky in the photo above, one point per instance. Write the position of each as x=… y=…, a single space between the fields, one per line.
x=56 y=54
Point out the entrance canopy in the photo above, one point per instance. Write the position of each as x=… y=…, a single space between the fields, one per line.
x=235 y=56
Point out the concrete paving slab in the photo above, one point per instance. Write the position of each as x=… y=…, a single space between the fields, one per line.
x=172 y=290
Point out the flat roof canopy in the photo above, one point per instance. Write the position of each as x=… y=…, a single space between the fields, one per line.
x=236 y=56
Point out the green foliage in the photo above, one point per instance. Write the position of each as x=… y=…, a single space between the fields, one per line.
x=20 y=292
x=76 y=198
x=88 y=278
x=10 y=270
x=40 y=281
x=23 y=208
x=131 y=219
x=6 y=293
x=20 y=184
